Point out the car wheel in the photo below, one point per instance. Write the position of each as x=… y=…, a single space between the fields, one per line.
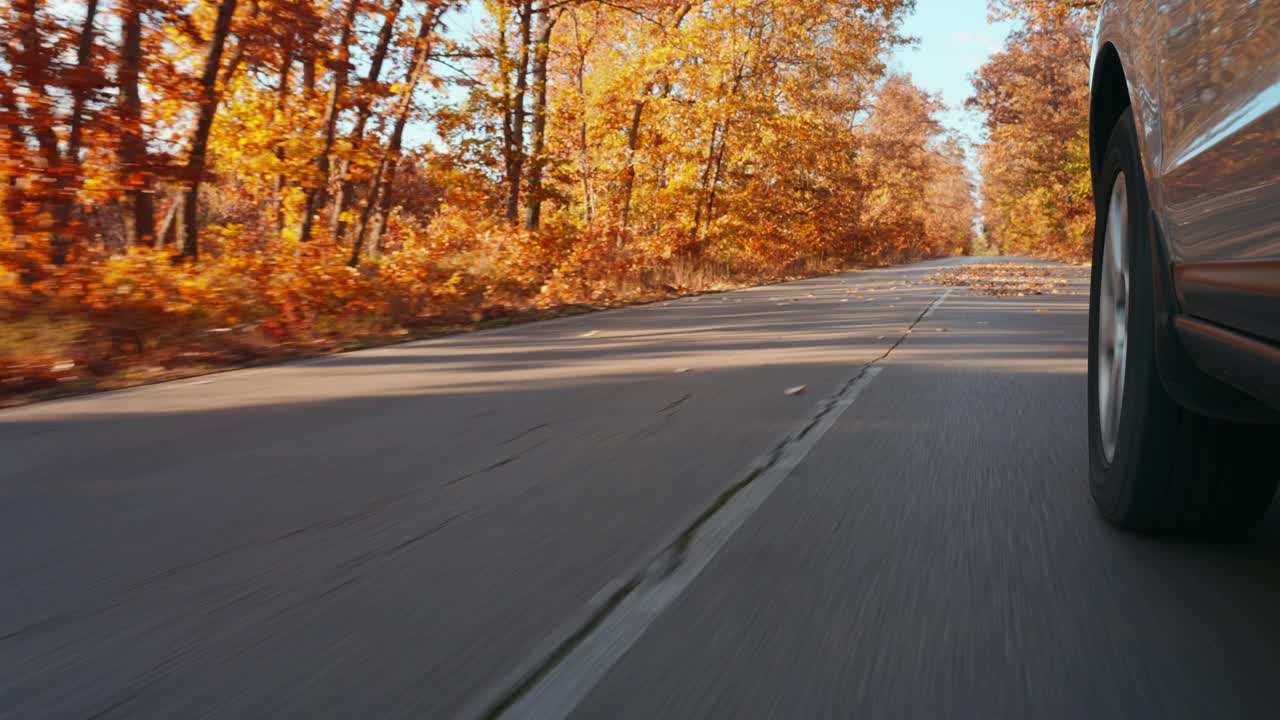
x=1154 y=466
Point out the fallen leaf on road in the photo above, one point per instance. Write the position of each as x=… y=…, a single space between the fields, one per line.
x=1004 y=279
x=795 y=390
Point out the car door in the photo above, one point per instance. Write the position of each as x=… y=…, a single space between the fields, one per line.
x=1220 y=174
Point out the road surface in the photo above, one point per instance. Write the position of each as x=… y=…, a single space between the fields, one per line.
x=633 y=513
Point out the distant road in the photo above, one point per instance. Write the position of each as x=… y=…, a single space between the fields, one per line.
x=855 y=496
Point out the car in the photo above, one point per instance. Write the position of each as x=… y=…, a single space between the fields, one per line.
x=1184 y=311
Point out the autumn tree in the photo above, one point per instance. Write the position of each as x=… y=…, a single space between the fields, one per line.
x=45 y=134
x=514 y=35
x=137 y=207
x=1035 y=168
x=544 y=21
x=377 y=206
x=207 y=108
x=368 y=90
x=341 y=68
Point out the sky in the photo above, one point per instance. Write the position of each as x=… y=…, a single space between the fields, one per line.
x=953 y=40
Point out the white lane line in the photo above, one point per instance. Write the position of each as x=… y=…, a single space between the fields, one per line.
x=564 y=686
x=554 y=679
x=934 y=306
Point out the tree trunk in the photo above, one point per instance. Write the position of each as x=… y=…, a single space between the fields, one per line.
x=584 y=159
x=66 y=196
x=237 y=54
x=715 y=158
x=633 y=130
x=80 y=95
x=204 y=123
x=514 y=140
x=629 y=169
x=171 y=228
x=385 y=174
x=584 y=154
x=704 y=184
x=317 y=196
x=542 y=48
x=341 y=201
x=716 y=176
x=282 y=95
x=385 y=200
x=137 y=203
x=309 y=69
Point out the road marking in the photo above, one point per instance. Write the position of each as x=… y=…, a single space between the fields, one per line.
x=559 y=675
x=934 y=305
x=558 y=691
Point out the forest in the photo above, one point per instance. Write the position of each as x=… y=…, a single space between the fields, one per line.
x=190 y=184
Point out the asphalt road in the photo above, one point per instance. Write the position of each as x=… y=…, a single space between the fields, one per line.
x=623 y=514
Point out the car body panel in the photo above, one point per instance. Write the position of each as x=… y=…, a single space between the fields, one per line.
x=1203 y=80
x=1221 y=128
x=1204 y=85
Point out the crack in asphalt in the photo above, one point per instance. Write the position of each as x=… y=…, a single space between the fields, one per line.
x=367 y=557
x=525 y=433
x=501 y=463
x=672 y=556
x=668 y=414
x=676 y=403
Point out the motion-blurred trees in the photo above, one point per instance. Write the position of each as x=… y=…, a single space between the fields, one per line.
x=173 y=166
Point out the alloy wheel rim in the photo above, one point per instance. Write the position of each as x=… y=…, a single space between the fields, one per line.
x=1113 y=317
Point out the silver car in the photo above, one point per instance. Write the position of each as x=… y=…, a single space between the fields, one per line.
x=1184 y=316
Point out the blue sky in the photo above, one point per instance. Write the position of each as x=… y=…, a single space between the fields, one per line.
x=953 y=39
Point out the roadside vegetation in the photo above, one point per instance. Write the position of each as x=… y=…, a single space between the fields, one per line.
x=1034 y=161
x=192 y=184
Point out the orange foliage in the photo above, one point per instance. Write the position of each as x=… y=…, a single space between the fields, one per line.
x=1035 y=163
x=251 y=180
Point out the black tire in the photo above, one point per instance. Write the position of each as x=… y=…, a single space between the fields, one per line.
x=1172 y=470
